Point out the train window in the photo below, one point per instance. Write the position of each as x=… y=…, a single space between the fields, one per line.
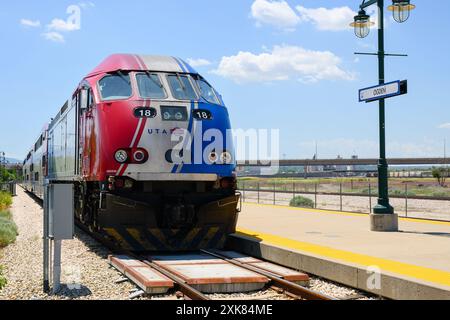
x=181 y=87
x=115 y=87
x=207 y=92
x=150 y=86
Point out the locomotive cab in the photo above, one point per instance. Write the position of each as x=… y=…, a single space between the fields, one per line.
x=156 y=156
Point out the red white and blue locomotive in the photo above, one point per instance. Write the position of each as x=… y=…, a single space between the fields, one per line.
x=146 y=142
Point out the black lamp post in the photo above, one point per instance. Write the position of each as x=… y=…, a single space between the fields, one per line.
x=401 y=11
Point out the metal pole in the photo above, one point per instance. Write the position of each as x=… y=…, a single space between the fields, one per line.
x=315 y=195
x=46 y=285
x=370 y=197
x=56 y=265
x=406 y=199
x=293 y=189
x=258 y=192
x=340 y=193
x=243 y=191
x=274 y=194
x=383 y=206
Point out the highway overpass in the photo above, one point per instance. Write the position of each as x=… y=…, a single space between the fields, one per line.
x=346 y=162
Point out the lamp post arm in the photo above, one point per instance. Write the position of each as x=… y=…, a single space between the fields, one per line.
x=367 y=4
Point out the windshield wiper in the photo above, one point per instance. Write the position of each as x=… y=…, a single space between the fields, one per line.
x=158 y=83
x=122 y=76
x=181 y=83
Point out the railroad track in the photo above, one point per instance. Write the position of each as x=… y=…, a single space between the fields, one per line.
x=280 y=286
x=291 y=289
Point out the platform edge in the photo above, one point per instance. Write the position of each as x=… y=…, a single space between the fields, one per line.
x=393 y=286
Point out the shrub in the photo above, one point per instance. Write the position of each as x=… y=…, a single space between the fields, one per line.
x=5 y=200
x=6 y=215
x=2 y=278
x=302 y=202
x=440 y=174
x=439 y=194
x=8 y=230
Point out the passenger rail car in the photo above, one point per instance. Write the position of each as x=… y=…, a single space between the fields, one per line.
x=35 y=165
x=146 y=142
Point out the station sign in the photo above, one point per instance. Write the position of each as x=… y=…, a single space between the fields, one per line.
x=383 y=91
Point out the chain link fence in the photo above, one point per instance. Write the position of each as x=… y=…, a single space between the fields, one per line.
x=352 y=196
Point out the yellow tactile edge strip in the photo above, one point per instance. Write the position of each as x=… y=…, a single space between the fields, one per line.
x=416 y=220
x=413 y=271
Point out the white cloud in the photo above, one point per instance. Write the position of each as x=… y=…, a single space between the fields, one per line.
x=64 y=26
x=335 y=19
x=54 y=36
x=198 y=62
x=275 y=13
x=283 y=63
x=30 y=23
x=444 y=126
x=85 y=5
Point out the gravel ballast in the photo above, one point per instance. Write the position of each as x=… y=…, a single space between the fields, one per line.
x=84 y=264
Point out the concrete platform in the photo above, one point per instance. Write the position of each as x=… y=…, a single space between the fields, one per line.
x=413 y=263
x=210 y=275
x=148 y=279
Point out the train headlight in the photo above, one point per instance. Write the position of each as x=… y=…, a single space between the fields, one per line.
x=213 y=157
x=139 y=156
x=121 y=156
x=226 y=157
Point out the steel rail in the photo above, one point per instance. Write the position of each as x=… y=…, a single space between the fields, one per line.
x=277 y=281
x=193 y=293
x=186 y=289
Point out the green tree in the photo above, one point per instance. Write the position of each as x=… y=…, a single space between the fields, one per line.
x=440 y=174
x=7 y=175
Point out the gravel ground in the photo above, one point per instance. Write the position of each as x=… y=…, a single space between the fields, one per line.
x=83 y=262
x=426 y=209
x=338 y=291
x=85 y=269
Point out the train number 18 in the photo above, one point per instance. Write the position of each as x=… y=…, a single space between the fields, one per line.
x=145 y=112
x=200 y=114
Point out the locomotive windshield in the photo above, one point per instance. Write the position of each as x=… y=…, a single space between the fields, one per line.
x=207 y=91
x=115 y=86
x=150 y=86
x=181 y=87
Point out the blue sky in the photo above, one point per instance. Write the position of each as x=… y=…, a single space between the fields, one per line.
x=278 y=64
